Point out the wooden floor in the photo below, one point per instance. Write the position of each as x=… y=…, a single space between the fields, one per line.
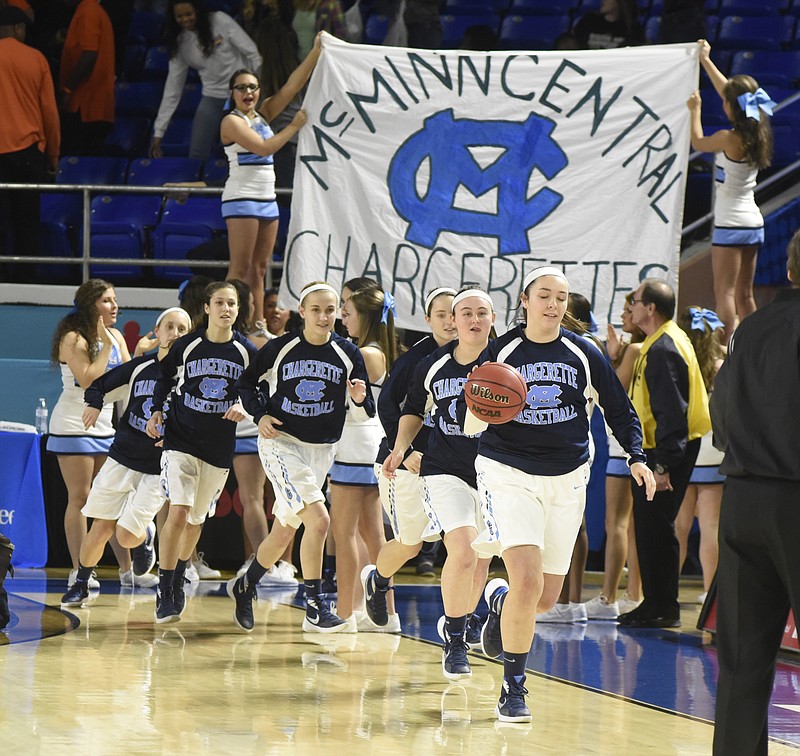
x=107 y=680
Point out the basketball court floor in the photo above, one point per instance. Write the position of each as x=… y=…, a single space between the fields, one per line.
x=107 y=680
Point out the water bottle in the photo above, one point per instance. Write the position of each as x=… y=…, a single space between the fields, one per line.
x=41 y=416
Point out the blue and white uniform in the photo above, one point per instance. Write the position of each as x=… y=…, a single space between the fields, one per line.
x=250 y=189
x=448 y=483
x=355 y=452
x=67 y=434
x=737 y=220
x=533 y=470
x=127 y=487
x=304 y=386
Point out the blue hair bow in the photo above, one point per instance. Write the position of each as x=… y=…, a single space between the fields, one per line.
x=753 y=102
x=182 y=289
x=388 y=304
x=702 y=318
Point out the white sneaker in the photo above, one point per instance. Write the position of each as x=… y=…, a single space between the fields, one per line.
x=600 y=608
x=627 y=604
x=366 y=625
x=246 y=566
x=130 y=579
x=701 y=599
x=191 y=573
x=561 y=613
x=578 y=609
x=281 y=573
x=93 y=583
x=204 y=572
x=351 y=624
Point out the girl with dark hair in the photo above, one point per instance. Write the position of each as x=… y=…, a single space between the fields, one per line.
x=741 y=152
x=214 y=44
x=85 y=345
x=248 y=201
x=614 y=24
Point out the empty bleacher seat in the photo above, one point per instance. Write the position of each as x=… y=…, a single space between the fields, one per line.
x=129 y=137
x=177 y=137
x=137 y=98
x=156 y=64
x=768 y=67
x=145 y=28
x=755 y=32
x=752 y=7
x=120 y=226
x=786 y=145
x=190 y=99
x=215 y=171
x=157 y=172
x=453 y=27
x=183 y=226
x=542 y=7
x=375 y=29
x=132 y=62
x=531 y=32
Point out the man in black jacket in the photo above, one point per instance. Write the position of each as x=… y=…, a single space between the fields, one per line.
x=755 y=410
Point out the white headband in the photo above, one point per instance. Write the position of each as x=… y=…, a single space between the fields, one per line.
x=171 y=310
x=437 y=293
x=461 y=296
x=546 y=270
x=311 y=288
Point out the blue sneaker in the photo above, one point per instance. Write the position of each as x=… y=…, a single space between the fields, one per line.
x=511 y=706
x=455 y=663
x=491 y=640
x=77 y=594
x=243 y=596
x=473 y=633
x=179 y=594
x=374 y=597
x=166 y=611
x=319 y=618
x=143 y=556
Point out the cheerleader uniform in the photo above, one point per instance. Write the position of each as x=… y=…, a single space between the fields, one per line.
x=356 y=450
x=250 y=189
x=67 y=434
x=737 y=220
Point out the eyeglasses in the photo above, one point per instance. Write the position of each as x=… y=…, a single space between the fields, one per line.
x=247 y=87
x=637 y=301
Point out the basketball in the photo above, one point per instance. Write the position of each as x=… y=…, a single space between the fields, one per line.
x=495 y=392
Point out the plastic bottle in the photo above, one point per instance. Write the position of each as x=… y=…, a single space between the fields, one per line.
x=41 y=416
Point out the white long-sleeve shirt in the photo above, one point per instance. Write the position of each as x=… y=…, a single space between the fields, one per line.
x=233 y=49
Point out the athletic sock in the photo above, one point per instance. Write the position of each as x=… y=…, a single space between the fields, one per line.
x=254 y=573
x=166 y=578
x=84 y=573
x=380 y=580
x=454 y=627
x=313 y=587
x=514 y=665
x=180 y=569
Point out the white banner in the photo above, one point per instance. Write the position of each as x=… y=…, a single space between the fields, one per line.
x=424 y=168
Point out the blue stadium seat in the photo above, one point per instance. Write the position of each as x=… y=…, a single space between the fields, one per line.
x=752 y=7
x=190 y=99
x=453 y=27
x=713 y=115
x=531 y=32
x=137 y=98
x=91 y=170
x=120 y=226
x=215 y=170
x=711 y=6
x=129 y=137
x=133 y=61
x=177 y=137
x=787 y=145
x=713 y=28
x=468 y=7
x=157 y=172
x=755 y=32
x=156 y=64
x=652 y=28
x=375 y=29
x=183 y=226
x=542 y=7
x=146 y=27
x=768 y=67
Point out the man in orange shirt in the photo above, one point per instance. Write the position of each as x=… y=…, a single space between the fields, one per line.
x=30 y=136
x=86 y=93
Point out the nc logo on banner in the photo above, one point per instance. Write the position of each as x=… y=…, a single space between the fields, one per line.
x=448 y=144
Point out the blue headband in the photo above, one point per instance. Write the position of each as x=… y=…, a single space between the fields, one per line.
x=753 y=102
x=388 y=304
x=702 y=318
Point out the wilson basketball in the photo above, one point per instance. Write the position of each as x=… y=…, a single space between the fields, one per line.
x=495 y=392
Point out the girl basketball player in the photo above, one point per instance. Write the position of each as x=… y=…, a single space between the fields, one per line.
x=400 y=494
x=355 y=501
x=447 y=473
x=532 y=472
x=126 y=494
x=298 y=390
x=199 y=435
x=85 y=346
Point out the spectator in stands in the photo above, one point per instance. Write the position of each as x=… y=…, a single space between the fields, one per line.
x=614 y=24
x=256 y=12
x=23 y=5
x=215 y=45
x=479 y=37
x=314 y=16
x=30 y=134
x=682 y=21
x=423 y=24
x=248 y=200
x=740 y=152
x=86 y=93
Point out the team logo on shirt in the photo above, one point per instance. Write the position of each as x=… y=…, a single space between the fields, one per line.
x=213 y=388
x=147 y=408
x=544 y=396
x=310 y=391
